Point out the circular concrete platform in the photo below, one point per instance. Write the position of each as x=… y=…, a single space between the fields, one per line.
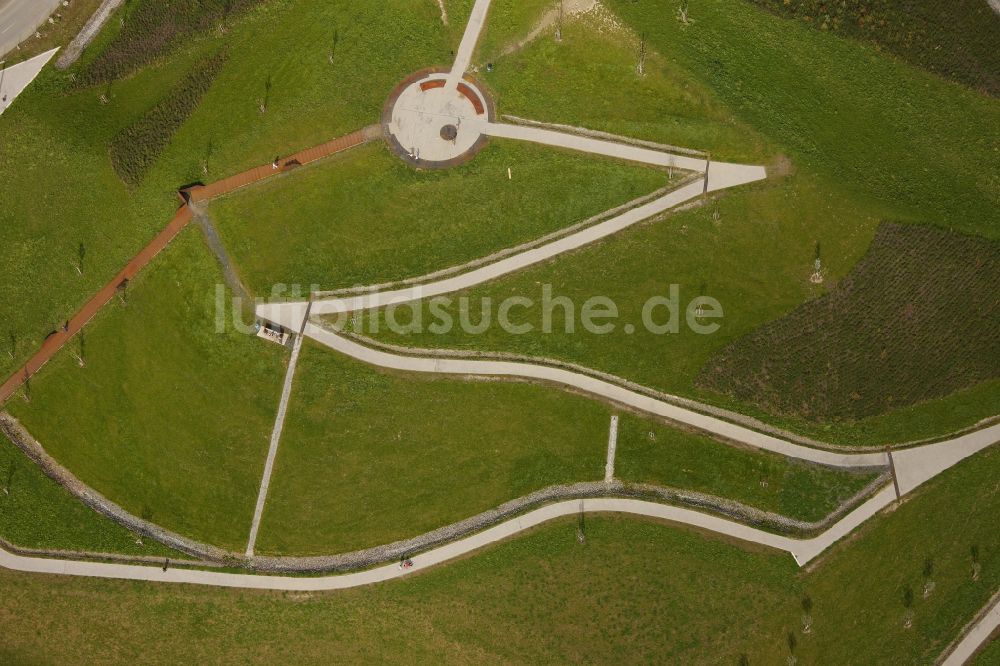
x=433 y=121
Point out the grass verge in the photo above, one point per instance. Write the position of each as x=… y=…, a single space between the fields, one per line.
x=35 y=512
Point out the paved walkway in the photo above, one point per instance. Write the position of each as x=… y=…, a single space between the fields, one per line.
x=226 y=185
x=16 y=78
x=802 y=550
x=463 y=58
x=279 y=426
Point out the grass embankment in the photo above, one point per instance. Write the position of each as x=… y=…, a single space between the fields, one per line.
x=955 y=39
x=35 y=512
x=368 y=458
x=990 y=654
x=509 y=22
x=545 y=81
x=635 y=592
x=649 y=452
x=852 y=170
x=168 y=418
x=917 y=319
x=367 y=218
x=55 y=140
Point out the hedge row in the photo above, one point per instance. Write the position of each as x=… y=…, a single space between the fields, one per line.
x=957 y=39
x=151 y=28
x=917 y=319
x=134 y=150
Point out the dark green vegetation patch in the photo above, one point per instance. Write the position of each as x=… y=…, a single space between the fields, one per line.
x=152 y=28
x=917 y=319
x=135 y=149
x=954 y=38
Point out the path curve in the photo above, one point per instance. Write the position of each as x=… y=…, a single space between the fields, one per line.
x=803 y=550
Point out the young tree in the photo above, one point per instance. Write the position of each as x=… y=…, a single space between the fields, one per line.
x=333 y=46
x=640 y=67
x=559 y=22
x=81 y=253
x=9 y=477
x=928 y=573
x=12 y=351
x=793 y=643
x=807 y=621
x=977 y=568
x=81 y=349
x=682 y=13
x=267 y=95
x=908 y=605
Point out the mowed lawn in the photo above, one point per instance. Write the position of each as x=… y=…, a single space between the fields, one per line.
x=636 y=591
x=654 y=453
x=589 y=79
x=54 y=140
x=368 y=458
x=36 y=512
x=366 y=217
x=169 y=418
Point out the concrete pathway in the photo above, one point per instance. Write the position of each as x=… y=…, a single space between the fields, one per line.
x=463 y=58
x=19 y=19
x=609 y=464
x=279 y=426
x=16 y=78
x=802 y=550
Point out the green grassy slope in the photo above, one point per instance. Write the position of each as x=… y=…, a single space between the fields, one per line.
x=168 y=418
x=35 y=512
x=368 y=458
x=635 y=592
x=54 y=142
x=367 y=218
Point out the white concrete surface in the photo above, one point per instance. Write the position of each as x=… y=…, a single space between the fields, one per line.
x=995 y=4
x=14 y=79
x=463 y=58
x=419 y=115
x=19 y=19
x=279 y=426
x=609 y=464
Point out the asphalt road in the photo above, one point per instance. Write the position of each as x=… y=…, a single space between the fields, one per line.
x=20 y=18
